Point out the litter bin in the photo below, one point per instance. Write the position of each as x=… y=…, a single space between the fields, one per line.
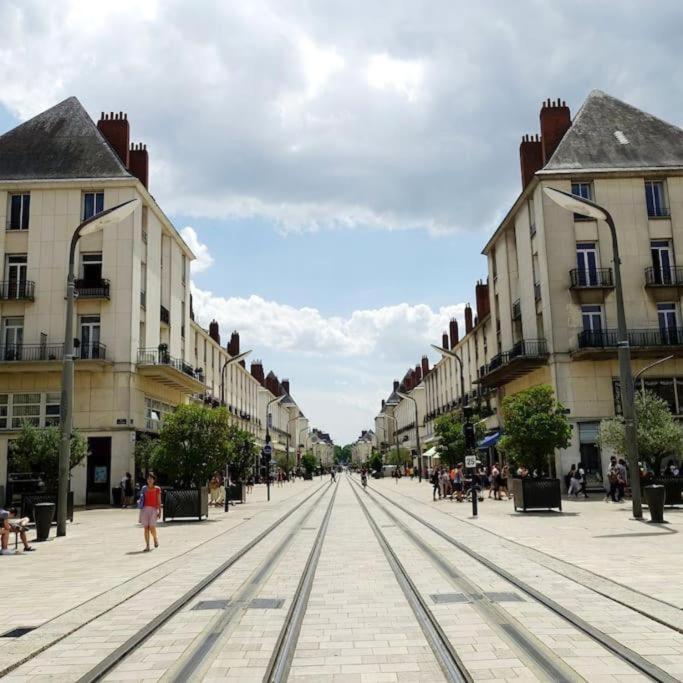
x=655 y=496
x=43 y=513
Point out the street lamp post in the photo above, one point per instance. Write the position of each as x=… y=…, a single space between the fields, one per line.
x=301 y=431
x=292 y=419
x=453 y=354
x=114 y=215
x=586 y=207
x=272 y=400
x=417 y=435
x=232 y=359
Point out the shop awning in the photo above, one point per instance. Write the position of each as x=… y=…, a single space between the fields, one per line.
x=490 y=440
x=431 y=453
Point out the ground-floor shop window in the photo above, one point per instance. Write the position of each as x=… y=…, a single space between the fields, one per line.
x=668 y=388
x=155 y=411
x=38 y=408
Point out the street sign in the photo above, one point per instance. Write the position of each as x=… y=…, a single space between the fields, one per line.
x=470 y=461
x=267 y=450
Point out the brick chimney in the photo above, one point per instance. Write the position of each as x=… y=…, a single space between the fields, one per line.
x=138 y=164
x=257 y=371
x=285 y=385
x=234 y=344
x=425 y=366
x=482 y=296
x=555 y=122
x=213 y=332
x=396 y=385
x=468 y=319
x=444 y=340
x=383 y=404
x=273 y=384
x=530 y=157
x=453 y=328
x=116 y=130
x=418 y=374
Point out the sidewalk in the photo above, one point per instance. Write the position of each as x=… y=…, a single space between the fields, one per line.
x=599 y=537
x=101 y=560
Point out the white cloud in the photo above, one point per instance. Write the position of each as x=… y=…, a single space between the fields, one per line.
x=401 y=75
x=204 y=259
x=391 y=332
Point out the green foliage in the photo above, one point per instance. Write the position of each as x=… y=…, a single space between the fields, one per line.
x=535 y=425
x=145 y=447
x=342 y=454
x=194 y=442
x=242 y=450
x=36 y=449
x=398 y=457
x=309 y=462
x=658 y=434
x=451 y=445
x=375 y=462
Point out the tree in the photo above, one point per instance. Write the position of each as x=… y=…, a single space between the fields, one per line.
x=194 y=442
x=36 y=449
x=451 y=445
x=375 y=462
x=657 y=433
x=398 y=457
x=145 y=447
x=342 y=454
x=308 y=462
x=535 y=425
x=242 y=450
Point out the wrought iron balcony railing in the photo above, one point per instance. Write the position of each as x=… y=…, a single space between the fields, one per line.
x=664 y=277
x=586 y=278
x=92 y=289
x=161 y=357
x=46 y=352
x=525 y=348
x=13 y=289
x=670 y=336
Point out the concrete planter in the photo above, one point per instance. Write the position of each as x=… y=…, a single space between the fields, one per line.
x=537 y=494
x=186 y=504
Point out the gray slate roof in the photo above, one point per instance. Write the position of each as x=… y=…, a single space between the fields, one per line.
x=643 y=141
x=62 y=142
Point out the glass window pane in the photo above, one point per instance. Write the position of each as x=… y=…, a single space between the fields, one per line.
x=15 y=212
x=25 y=211
x=664 y=388
x=99 y=203
x=88 y=205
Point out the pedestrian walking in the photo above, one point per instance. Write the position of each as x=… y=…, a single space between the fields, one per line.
x=504 y=479
x=574 y=482
x=495 y=481
x=150 y=509
x=568 y=478
x=435 y=483
x=458 y=482
x=582 y=480
x=446 y=489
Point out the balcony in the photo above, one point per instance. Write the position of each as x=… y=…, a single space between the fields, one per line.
x=11 y=290
x=159 y=365
x=526 y=355
x=38 y=357
x=517 y=310
x=92 y=289
x=664 y=277
x=595 y=278
x=164 y=315
x=644 y=343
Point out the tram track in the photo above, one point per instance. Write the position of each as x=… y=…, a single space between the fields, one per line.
x=616 y=648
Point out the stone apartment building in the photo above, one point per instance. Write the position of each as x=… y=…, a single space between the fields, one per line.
x=139 y=351
x=547 y=311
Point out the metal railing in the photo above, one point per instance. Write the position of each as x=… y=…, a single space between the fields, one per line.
x=161 y=357
x=517 y=310
x=525 y=348
x=13 y=289
x=164 y=315
x=664 y=277
x=591 y=277
x=658 y=211
x=670 y=336
x=94 y=351
x=43 y=352
x=92 y=289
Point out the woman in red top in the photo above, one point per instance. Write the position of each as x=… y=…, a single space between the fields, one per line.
x=151 y=509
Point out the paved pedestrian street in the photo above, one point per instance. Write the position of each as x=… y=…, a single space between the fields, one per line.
x=330 y=582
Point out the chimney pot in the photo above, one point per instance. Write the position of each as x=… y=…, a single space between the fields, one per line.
x=117 y=134
x=214 y=332
x=396 y=385
x=138 y=164
x=453 y=327
x=482 y=296
x=555 y=121
x=444 y=340
x=468 y=319
x=530 y=158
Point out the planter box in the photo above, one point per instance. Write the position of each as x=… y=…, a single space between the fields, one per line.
x=28 y=500
x=186 y=503
x=237 y=493
x=673 y=487
x=537 y=494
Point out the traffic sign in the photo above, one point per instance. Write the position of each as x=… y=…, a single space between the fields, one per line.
x=267 y=450
x=470 y=461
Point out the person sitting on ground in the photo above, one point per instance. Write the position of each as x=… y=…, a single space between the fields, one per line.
x=8 y=527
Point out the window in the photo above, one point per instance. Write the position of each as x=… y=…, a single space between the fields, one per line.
x=655 y=199
x=155 y=412
x=668 y=323
x=532 y=217
x=591 y=321
x=662 y=262
x=4 y=410
x=584 y=190
x=143 y=284
x=15 y=273
x=40 y=409
x=668 y=388
x=19 y=209
x=52 y=409
x=90 y=336
x=93 y=203
x=587 y=264
x=91 y=267
x=25 y=408
x=12 y=338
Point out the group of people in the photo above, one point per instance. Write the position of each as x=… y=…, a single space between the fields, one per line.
x=453 y=482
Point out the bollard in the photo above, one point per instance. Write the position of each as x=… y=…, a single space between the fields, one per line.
x=475 y=496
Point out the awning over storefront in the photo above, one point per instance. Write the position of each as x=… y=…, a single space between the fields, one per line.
x=431 y=453
x=490 y=440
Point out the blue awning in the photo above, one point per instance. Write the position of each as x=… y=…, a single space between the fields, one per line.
x=490 y=440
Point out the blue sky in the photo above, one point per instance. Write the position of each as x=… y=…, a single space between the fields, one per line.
x=336 y=167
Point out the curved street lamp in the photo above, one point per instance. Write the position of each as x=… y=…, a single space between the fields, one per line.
x=89 y=226
x=585 y=207
x=417 y=435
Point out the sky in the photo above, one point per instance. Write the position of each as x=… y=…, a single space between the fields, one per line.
x=336 y=167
